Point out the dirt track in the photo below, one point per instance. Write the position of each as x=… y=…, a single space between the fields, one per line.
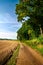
x=28 y=56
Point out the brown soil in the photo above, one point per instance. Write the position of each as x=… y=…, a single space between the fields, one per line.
x=6 y=49
x=28 y=56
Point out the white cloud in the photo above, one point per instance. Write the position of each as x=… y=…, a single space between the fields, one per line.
x=8 y=35
x=7 y=21
x=8 y=26
x=7 y=18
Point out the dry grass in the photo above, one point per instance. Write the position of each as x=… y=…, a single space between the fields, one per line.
x=40 y=46
x=6 y=49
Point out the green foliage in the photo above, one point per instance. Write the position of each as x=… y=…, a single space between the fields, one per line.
x=27 y=31
x=36 y=44
x=32 y=42
x=31 y=8
x=35 y=41
x=23 y=32
x=40 y=39
x=40 y=50
x=33 y=26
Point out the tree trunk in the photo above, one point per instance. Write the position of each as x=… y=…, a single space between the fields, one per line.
x=41 y=30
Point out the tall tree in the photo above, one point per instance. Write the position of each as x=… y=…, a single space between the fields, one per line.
x=32 y=9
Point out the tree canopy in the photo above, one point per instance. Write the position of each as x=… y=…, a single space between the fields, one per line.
x=34 y=10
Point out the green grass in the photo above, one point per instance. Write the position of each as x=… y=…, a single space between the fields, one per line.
x=13 y=59
x=40 y=50
x=34 y=43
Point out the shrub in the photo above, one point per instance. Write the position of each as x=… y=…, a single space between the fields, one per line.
x=40 y=39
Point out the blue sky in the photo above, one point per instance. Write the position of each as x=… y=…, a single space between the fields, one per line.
x=8 y=19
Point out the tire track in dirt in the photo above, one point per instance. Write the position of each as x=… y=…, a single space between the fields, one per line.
x=28 y=56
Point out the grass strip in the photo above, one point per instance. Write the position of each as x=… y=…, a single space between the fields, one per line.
x=13 y=59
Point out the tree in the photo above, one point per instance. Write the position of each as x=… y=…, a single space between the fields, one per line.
x=23 y=32
x=32 y=9
x=28 y=31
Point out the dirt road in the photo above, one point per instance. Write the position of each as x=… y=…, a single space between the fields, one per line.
x=28 y=56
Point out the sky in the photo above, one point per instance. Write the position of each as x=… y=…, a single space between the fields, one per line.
x=8 y=19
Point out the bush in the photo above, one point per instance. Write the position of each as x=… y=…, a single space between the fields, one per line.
x=35 y=41
x=32 y=42
x=40 y=39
